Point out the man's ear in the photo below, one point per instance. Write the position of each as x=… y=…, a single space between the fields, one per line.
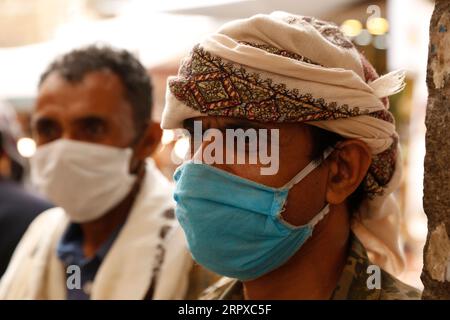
x=348 y=167
x=148 y=142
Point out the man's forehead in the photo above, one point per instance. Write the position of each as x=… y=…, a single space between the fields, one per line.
x=101 y=85
x=98 y=93
x=98 y=80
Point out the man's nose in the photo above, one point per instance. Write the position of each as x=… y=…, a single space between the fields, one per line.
x=70 y=135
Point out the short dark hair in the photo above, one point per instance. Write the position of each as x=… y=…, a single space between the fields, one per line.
x=322 y=139
x=74 y=65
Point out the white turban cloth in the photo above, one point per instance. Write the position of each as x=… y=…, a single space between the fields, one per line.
x=288 y=68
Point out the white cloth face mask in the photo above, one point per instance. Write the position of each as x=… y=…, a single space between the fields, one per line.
x=85 y=179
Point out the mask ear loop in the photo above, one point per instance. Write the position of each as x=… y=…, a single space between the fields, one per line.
x=301 y=175
x=308 y=169
x=322 y=213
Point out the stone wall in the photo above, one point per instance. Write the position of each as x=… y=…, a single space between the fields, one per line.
x=436 y=270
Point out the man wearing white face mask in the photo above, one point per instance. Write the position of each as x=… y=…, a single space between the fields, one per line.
x=113 y=235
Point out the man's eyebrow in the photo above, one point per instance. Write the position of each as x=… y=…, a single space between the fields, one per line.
x=230 y=123
x=90 y=117
x=40 y=119
x=242 y=123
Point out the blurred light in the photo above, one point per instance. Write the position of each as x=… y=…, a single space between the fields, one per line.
x=364 y=38
x=181 y=148
x=26 y=147
x=351 y=27
x=380 y=42
x=167 y=137
x=417 y=228
x=377 y=26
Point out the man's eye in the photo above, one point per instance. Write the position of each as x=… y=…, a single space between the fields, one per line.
x=94 y=128
x=243 y=143
x=47 y=130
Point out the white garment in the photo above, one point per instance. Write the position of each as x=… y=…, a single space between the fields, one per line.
x=35 y=271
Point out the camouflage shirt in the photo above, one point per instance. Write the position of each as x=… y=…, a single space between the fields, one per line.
x=352 y=284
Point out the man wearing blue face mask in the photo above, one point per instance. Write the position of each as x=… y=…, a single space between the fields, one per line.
x=114 y=235
x=325 y=225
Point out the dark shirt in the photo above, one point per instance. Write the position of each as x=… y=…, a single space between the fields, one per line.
x=352 y=284
x=18 y=208
x=70 y=252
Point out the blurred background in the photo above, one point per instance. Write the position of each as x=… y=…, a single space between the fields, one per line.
x=393 y=34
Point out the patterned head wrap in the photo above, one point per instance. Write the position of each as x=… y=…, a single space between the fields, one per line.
x=287 y=68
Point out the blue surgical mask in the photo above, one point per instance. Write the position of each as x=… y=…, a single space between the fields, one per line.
x=234 y=225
